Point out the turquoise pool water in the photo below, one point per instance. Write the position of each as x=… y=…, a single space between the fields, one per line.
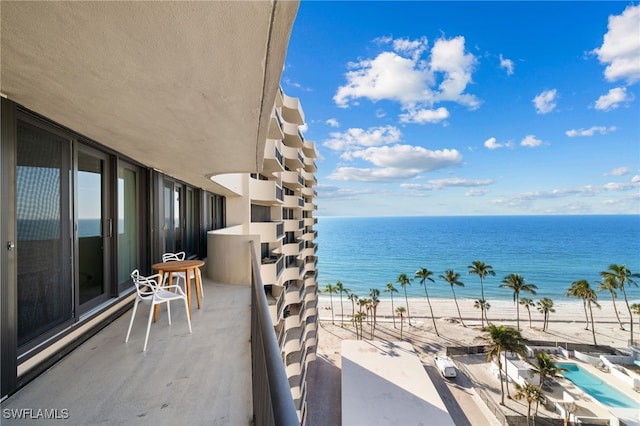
x=599 y=390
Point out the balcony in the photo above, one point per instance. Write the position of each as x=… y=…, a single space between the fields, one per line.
x=269 y=232
x=292 y=136
x=107 y=381
x=291 y=180
x=292 y=110
x=273 y=160
x=265 y=191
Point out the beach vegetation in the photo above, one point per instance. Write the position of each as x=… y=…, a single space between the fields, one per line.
x=582 y=290
x=517 y=284
x=577 y=289
x=484 y=306
x=424 y=274
x=453 y=278
x=340 y=288
x=545 y=307
x=358 y=318
x=622 y=277
x=502 y=339
x=482 y=270
x=353 y=298
x=608 y=283
x=531 y=394
x=404 y=281
x=400 y=310
x=375 y=300
x=528 y=304
x=331 y=289
x=391 y=289
x=635 y=308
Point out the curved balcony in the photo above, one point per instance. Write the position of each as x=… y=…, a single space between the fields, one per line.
x=292 y=179
x=293 y=158
x=292 y=110
x=309 y=149
x=275 y=126
x=273 y=159
x=292 y=135
x=265 y=191
x=291 y=248
x=271 y=269
x=310 y=165
x=269 y=232
x=291 y=273
x=291 y=225
x=291 y=201
x=310 y=221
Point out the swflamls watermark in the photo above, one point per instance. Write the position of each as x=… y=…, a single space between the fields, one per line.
x=35 y=413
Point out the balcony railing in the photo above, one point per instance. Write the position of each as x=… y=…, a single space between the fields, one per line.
x=272 y=400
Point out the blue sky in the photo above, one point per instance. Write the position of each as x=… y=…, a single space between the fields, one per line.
x=470 y=108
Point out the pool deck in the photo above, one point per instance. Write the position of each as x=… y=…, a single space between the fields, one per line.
x=476 y=366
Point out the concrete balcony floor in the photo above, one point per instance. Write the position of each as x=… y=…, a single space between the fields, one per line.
x=188 y=379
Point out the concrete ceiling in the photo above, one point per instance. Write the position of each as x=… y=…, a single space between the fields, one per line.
x=184 y=87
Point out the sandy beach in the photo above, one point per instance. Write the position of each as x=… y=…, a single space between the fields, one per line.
x=566 y=324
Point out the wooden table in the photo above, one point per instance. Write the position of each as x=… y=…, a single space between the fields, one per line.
x=185 y=266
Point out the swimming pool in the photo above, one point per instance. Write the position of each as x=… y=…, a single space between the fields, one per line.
x=596 y=388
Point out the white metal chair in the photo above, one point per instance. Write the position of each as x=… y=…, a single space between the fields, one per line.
x=151 y=291
x=168 y=257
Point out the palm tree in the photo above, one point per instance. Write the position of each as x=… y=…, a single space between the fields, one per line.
x=375 y=299
x=531 y=394
x=583 y=290
x=621 y=275
x=592 y=299
x=546 y=368
x=545 y=306
x=400 y=310
x=502 y=338
x=424 y=274
x=635 y=308
x=354 y=298
x=527 y=303
x=404 y=281
x=454 y=279
x=483 y=305
x=330 y=288
x=481 y=269
x=609 y=283
x=391 y=289
x=517 y=283
x=358 y=317
x=577 y=289
x=341 y=289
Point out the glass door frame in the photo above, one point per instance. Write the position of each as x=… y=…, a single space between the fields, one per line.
x=106 y=227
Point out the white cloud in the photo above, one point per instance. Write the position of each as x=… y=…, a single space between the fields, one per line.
x=425 y=116
x=620 y=171
x=396 y=162
x=333 y=122
x=581 y=191
x=410 y=157
x=437 y=184
x=545 y=102
x=356 y=138
x=590 y=131
x=530 y=141
x=372 y=174
x=620 y=48
x=448 y=56
x=612 y=99
x=475 y=193
x=388 y=76
x=413 y=48
x=492 y=144
x=403 y=76
x=507 y=64
x=334 y=192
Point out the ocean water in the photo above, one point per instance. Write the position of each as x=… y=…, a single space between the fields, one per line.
x=548 y=251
